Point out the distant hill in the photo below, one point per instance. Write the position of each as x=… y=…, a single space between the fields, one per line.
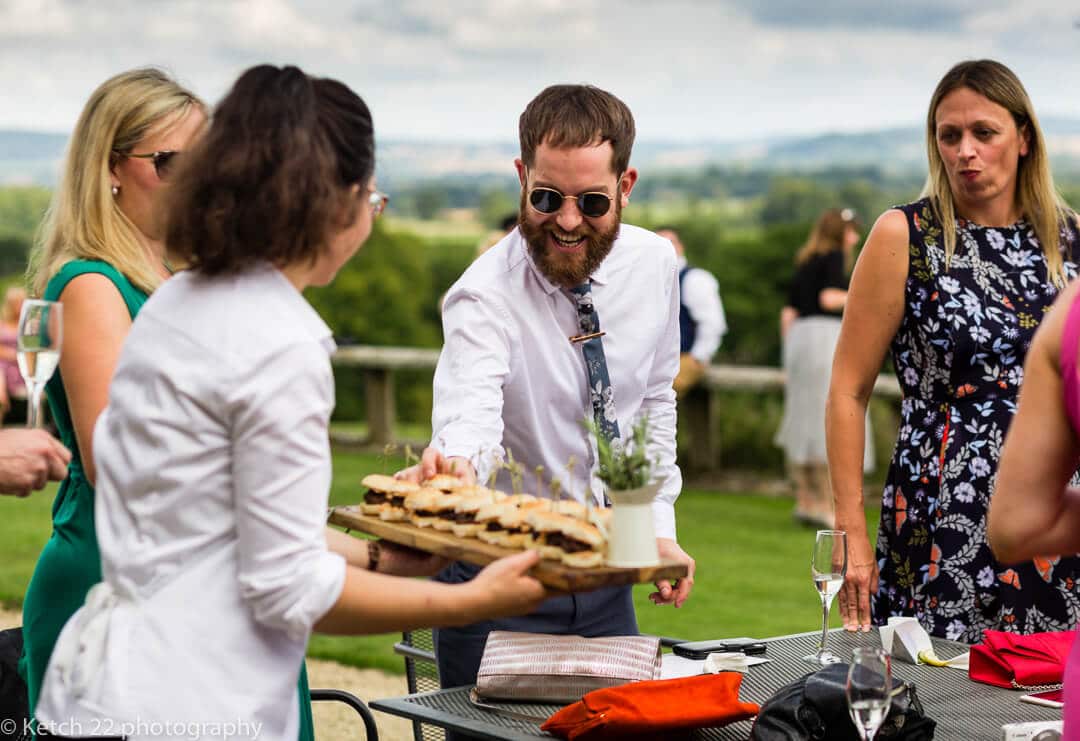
x=28 y=157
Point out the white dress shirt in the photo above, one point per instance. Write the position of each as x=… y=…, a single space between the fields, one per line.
x=213 y=479
x=510 y=379
x=701 y=296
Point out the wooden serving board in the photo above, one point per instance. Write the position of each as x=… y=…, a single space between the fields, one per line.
x=475 y=551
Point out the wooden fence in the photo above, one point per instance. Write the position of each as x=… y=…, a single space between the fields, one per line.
x=697 y=412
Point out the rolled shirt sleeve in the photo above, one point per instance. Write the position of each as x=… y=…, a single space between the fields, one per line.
x=659 y=405
x=469 y=377
x=282 y=470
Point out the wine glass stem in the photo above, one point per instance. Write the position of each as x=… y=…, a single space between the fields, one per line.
x=824 y=624
x=33 y=413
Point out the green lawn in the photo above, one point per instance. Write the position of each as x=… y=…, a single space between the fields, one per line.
x=752 y=579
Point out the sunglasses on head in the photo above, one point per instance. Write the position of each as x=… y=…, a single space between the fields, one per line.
x=163 y=160
x=549 y=201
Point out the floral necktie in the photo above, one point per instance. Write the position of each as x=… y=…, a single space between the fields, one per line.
x=600 y=392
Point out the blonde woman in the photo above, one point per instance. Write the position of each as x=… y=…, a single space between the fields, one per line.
x=809 y=328
x=954 y=285
x=101 y=254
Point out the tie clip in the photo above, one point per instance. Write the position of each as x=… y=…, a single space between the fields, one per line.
x=583 y=337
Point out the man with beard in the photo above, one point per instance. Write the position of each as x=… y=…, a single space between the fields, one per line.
x=517 y=375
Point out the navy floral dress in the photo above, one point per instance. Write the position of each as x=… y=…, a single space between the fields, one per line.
x=959 y=356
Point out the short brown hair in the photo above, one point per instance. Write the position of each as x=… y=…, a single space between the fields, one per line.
x=272 y=177
x=577 y=116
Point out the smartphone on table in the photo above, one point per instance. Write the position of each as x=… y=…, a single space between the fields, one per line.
x=699 y=650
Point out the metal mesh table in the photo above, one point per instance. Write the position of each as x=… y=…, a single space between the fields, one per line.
x=963 y=709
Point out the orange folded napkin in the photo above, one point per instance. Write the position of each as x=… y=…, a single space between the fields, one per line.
x=653 y=707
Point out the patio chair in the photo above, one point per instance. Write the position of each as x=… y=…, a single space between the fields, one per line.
x=371 y=732
x=417 y=647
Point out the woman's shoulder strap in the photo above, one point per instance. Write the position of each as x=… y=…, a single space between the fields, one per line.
x=133 y=297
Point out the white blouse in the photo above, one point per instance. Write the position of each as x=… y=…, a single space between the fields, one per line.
x=214 y=471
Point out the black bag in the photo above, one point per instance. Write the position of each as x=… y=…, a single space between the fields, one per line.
x=14 y=705
x=815 y=707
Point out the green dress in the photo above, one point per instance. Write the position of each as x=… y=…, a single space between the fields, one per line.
x=70 y=563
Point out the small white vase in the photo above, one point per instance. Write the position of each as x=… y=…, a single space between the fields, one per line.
x=632 y=540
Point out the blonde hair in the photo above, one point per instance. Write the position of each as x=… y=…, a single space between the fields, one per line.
x=84 y=221
x=1036 y=195
x=828 y=234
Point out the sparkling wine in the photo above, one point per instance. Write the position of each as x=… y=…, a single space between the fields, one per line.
x=868 y=715
x=828 y=584
x=37 y=366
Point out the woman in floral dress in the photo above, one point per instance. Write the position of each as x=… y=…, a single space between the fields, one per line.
x=954 y=285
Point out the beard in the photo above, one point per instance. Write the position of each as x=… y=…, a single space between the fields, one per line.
x=574 y=268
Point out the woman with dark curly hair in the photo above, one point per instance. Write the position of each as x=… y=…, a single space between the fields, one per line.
x=213 y=454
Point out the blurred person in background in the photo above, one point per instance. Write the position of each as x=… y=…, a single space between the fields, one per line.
x=13 y=393
x=955 y=284
x=507 y=224
x=809 y=329
x=702 y=324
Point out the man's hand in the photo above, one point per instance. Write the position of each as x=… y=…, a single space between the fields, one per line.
x=29 y=459
x=433 y=462
x=668 y=593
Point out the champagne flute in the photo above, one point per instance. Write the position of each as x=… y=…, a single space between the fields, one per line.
x=37 y=349
x=827 y=567
x=869 y=689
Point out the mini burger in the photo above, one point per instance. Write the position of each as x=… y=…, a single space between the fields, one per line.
x=443 y=508
x=567 y=539
x=472 y=498
x=424 y=506
x=385 y=497
x=504 y=523
x=444 y=482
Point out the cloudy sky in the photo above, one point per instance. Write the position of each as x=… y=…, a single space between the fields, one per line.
x=464 y=69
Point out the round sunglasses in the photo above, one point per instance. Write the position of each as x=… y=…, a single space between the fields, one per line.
x=549 y=201
x=163 y=161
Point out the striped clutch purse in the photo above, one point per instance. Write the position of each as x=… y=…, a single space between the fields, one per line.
x=559 y=668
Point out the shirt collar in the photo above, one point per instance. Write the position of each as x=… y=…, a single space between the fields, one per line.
x=600 y=276
x=309 y=319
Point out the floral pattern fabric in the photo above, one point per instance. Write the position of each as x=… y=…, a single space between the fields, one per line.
x=601 y=394
x=959 y=356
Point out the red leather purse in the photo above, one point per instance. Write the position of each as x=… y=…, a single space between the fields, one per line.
x=1025 y=662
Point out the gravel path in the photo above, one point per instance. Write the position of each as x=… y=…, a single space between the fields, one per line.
x=333 y=721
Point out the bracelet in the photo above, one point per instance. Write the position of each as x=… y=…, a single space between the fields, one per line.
x=373 y=552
